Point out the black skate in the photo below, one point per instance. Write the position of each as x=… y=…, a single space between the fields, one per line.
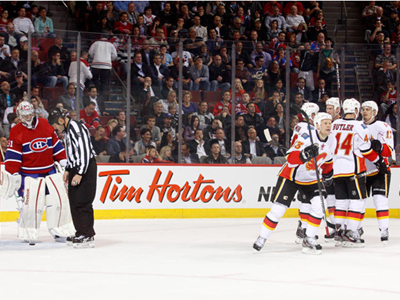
x=351 y=239
x=300 y=234
x=338 y=238
x=384 y=236
x=360 y=231
x=330 y=238
x=310 y=246
x=70 y=240
x=83 y=242
x=259 y=243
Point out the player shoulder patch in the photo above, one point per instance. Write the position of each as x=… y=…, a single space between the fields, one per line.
x=305 y=136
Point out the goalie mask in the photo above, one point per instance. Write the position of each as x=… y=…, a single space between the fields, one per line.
x=311 y=109
x=26 y=113
x=374 y=111
x=351 y=106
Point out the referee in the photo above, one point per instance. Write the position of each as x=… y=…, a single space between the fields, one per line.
x=80 y=174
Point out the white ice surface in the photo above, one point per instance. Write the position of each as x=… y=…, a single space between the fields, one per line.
x=197 y=259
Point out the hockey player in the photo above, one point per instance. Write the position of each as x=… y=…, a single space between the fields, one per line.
x=353 y=146
x=299 y=174
x=332 y=108
x=381 y=137
x=311 y=109
x=32 y=149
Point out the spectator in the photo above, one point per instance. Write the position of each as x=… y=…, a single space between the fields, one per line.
x=214 y=42
x=253 y=147
x=237 y=26
x=289 y=6
x=239 y=157
x=11 y=65
x=54 y=71
x=200 y=74
x=220 y=29
x=319 y=44
x=293 y=19
x=98 y=141
x=121 y=118
x=23 y=48
x=226 y=101
x=240 y=129
x=85 y=73
x=18 y=86
x=152 y=156
x=166 y=154
x=168 y=132
x=259 y=52
x=298 y=101
x=105 y=26
x=12 y=36
x=252 y=119
x=276 y=16
x=143 y=30
x=168 y=87
x=188 y=106
x=392 y=120
x=385 y=75
x=242 y=74
x=326 y=64
x=154 y=130
x=275 y=43
x=102 y=53
x=274 y=73
x=65 y=56
x=159 y=71
x=95 y=16
x=44 y=25
x=388 y=98
x=224 y=143
x=139 y=71
x=190 y=130
x=132 y=13
x=187 y=157
x=197 y=145
x=4 y=20
x=259 y=94
x=123 y=26
x=210 y=132
x=145 y=141
x=242 y=54
x=111 y=124
x=386 y=56
x=205 y=117
x=7 y=99
x=215 y=157
x=122 y=156
x=158 y=39
x=302 y=89
x=369 y=10
x=23 y=25
x=68 y=99
x=167 y=16
x=313 y=32
x=117 y=143
x=201 y=30
x=271 y=126
x=111 y=14
x=318 y=93
x=308 y=61
x=270 y=105
x=219 y=75
x=149 y=95
x=274 y=149
x=4 y=49
x=97 y=99
x=89 y=116
x=319 y=17
x=166 y=58
x=224 y=117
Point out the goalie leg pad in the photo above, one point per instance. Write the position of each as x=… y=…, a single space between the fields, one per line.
x=9 y=184
x=58 y=212
x=32 y=208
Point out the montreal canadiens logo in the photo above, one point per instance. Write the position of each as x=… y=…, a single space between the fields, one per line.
x=38 y=145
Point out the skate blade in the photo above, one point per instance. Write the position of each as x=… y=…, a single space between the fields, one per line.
x=83 y=245
x=299 y=241
x=338 y=243
x=311 y=251
x=352 y=245
x=60 y=239
x=329 y=241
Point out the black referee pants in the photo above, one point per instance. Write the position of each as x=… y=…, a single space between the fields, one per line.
x=81 y=198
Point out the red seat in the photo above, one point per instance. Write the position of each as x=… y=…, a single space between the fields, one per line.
x=42 y=56
x=52 y=94
x=104 y=119
x=133 y=121
x=45 y=103
x=196 y=96
x=293 y=79
x=212 y=97
x=92 y=131
x=211 y=107
x=46 y=43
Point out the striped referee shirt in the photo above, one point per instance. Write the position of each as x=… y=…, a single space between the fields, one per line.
x=78 y=146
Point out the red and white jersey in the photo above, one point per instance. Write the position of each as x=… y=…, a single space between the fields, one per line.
x=304 y=173
x=353 y=146
x=298 y=130
x=33 y=150
x=382 y=132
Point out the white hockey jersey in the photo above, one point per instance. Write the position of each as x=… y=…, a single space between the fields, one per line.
x=298 y=130
x=382 y=132
x=353 y=146
x=304 y=173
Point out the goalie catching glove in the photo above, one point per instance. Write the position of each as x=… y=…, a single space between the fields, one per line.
x=308 y=153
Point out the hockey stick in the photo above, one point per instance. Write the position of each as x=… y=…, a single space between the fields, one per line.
x=319 y=182
x=338 y=79
x=19 y=208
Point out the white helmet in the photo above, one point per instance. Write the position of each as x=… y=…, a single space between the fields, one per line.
x=373 y=106
x=335 y=102
x=350 y=106
x=26 y=113
x=310 y=108
x=319 y=117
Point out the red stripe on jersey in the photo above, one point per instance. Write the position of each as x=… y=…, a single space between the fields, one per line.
x=387 y=151
x=287 y=172
x=331 y=210
x=270 y=224
x=294 y=158
x=354 y=215
x=370 y=155
x=327 y=167
x=340 y=214
x=383 y=214
x=314 y=221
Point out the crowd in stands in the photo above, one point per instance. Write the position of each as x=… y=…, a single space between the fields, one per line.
x=262 y=33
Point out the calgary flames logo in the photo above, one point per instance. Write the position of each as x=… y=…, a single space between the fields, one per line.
x=38 y=145
x=311 y=165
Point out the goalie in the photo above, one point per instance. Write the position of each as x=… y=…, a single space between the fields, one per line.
x=31 y=172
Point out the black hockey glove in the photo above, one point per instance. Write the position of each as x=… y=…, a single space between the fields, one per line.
x=309 y=153
x=328 y=179
x=377 y=146
x=381 y=166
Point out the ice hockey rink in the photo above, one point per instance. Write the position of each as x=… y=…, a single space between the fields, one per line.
x=197 y=259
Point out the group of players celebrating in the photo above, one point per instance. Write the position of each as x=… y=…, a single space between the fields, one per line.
x=352 y=157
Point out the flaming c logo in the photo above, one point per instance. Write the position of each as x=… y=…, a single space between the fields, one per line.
x=311 y=166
